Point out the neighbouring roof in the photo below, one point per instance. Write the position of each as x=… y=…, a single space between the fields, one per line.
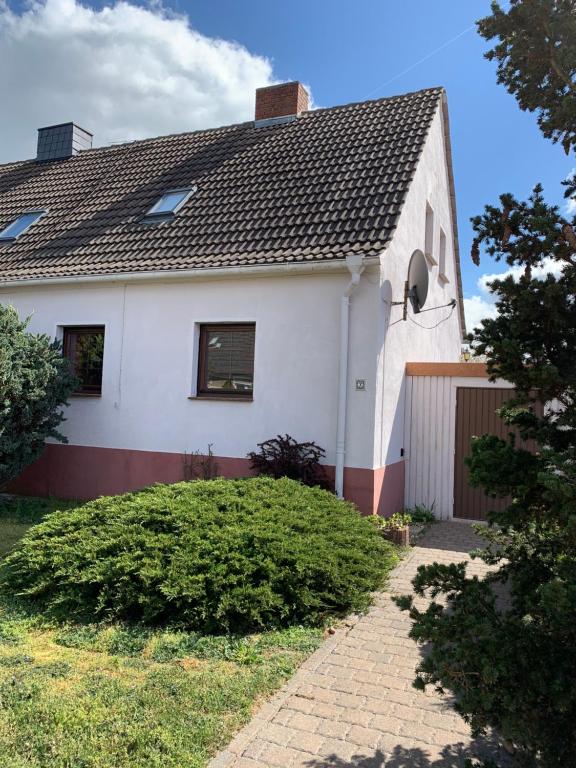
x=329 y=183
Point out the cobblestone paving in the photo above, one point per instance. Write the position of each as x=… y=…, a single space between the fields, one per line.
x=352 y=704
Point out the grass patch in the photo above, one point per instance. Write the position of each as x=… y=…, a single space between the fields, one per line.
x=120 y=695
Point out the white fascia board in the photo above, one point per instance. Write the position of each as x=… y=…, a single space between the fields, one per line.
x=216 y=273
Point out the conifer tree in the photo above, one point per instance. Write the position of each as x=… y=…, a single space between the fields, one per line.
x=513 y=666
x=35 y=382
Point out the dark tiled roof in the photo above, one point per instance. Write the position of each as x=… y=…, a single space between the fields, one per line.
x=330 y=183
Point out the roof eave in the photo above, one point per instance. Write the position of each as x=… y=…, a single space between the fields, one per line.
x=206 y=273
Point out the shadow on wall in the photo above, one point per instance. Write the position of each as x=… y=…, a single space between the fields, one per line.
x=390 y=454
x=452 y=756
x=397 y=431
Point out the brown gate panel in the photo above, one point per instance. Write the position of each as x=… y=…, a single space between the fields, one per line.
x=475 y=416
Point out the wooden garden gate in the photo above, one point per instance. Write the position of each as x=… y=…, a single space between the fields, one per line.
x=476 y=415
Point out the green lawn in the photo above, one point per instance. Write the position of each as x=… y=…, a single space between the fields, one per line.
x=118 y=696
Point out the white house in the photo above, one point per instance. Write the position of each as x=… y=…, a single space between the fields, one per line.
x=225 y=286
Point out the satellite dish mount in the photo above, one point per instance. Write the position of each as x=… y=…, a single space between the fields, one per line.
x=416 y=287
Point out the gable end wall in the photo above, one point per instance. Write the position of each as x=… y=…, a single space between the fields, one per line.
x=404 y=341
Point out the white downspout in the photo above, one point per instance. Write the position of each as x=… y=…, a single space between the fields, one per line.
x=356 y=267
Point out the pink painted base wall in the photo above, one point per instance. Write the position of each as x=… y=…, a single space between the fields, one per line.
x=389 y=489
x=83 y=472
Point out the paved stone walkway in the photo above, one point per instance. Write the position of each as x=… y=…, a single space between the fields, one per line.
x=352 y=704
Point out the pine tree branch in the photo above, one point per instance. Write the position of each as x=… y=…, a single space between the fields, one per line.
x=561 y=74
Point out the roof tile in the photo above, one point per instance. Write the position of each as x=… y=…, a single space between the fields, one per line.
x=331 y=182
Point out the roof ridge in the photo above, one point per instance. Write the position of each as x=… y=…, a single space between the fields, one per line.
x=246 y=123
x=436 y=89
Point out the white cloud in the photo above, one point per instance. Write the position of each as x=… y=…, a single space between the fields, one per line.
x=123 y=72
x=549 y=266
x=482 y=305
x=477 y=308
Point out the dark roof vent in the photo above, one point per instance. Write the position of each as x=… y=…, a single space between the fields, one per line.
x=57 y=142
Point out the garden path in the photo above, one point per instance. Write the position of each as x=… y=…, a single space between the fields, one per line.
x=352 y=704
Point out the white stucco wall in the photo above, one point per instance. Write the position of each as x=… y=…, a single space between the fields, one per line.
x=149 y=350
x=404 y=341
x=149 y=346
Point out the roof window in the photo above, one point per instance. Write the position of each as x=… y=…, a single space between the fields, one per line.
x=171 y=202
x=20 y=225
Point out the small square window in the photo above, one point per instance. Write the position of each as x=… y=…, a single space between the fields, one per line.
x=84 y=347
x=170 y=202
x=226 y=360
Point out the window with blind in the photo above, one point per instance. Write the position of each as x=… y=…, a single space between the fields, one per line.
x=84 y=347
x=226 y=360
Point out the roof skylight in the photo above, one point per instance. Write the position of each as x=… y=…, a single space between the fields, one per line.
x=171 y=202
x=20 y=225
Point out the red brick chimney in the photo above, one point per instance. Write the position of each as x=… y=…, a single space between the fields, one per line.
x=281 y=100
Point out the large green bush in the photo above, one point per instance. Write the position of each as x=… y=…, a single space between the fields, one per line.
x=213 y=555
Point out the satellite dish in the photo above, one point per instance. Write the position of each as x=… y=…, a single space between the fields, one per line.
x=417 y=281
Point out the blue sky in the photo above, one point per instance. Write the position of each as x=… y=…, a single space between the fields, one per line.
x=345 y=52
x=352 y=51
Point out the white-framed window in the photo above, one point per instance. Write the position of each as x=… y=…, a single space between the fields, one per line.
x=170 y=202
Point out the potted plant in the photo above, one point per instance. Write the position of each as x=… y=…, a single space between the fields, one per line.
x=395 y=528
